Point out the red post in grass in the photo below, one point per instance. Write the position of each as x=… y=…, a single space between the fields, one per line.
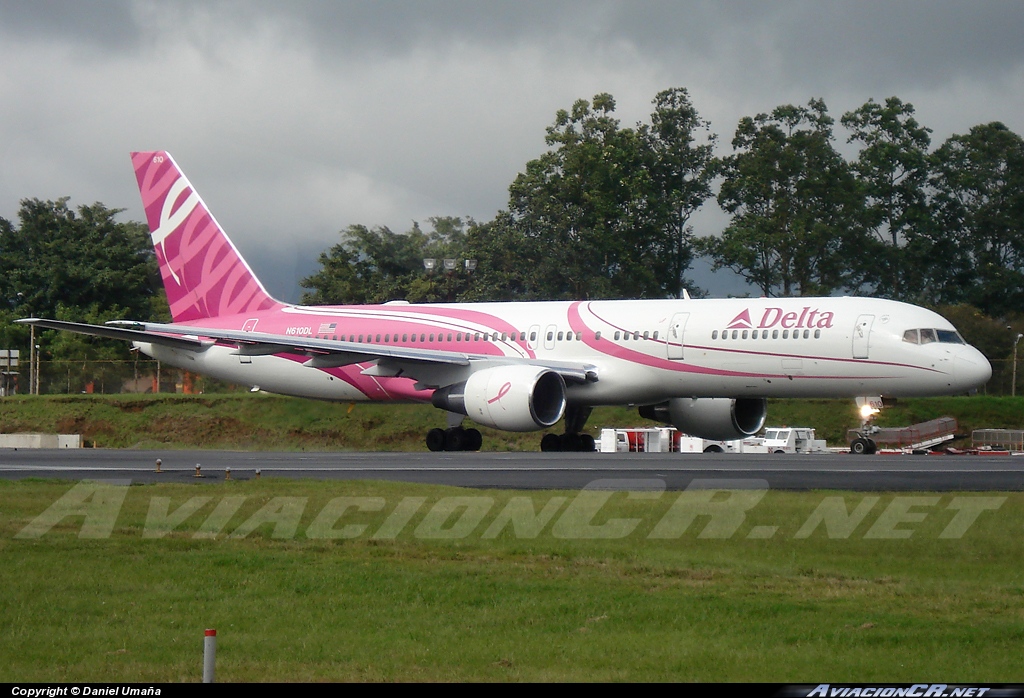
x=209 y=654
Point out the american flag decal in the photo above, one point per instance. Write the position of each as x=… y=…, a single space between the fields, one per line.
x=327 y=327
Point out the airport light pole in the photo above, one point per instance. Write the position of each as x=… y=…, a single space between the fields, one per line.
x=32 y=360
x=33 y=351
x=1013 y=387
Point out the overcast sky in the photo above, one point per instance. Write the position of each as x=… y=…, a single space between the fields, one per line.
x=295 y=120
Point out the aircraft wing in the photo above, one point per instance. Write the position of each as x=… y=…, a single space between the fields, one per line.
x=423 y=364
x=131 y=335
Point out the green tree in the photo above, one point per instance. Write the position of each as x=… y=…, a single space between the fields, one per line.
x=977 y=249
x=796 y=207
x=893 y=167
x=80 y=265
x=603 y=213
x=504 y=269
x=577 y=208
x=377 y=265
x=58 y=256
x=680 y=154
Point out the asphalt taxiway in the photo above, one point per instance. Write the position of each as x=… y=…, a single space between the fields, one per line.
x=532 y=470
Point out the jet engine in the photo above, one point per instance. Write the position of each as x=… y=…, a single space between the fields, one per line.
x=513 y=398
x=717 y=418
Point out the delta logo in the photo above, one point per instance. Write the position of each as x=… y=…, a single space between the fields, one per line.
x=807 y=318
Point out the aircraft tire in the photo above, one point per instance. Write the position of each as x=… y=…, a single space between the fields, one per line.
x=860 y=447
x=570 y=442
x=588 y=445
x=436 y=439
x=455 y=439
x=550 y=443
x=474 y=440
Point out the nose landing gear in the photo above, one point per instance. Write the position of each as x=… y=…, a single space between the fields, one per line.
x=863 y=446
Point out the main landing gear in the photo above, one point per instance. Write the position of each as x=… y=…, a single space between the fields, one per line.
x=863 y=444
x=568 y=442
x=454 y=439
x=573 y=439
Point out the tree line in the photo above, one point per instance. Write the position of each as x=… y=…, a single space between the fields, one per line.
x=605 y=212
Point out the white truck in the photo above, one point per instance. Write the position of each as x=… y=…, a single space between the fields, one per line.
x=793 y=440
x=751 y=444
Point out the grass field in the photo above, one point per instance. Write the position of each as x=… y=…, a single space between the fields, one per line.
x=332 y=581
x=265 y=422
x=410 y=583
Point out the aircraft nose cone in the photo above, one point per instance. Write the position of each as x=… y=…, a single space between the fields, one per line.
x=972 y=369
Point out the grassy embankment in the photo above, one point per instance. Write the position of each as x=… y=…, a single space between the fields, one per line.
x=265 y=422
x=756 y=605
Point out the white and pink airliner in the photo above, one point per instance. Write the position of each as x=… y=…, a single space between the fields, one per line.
x=706 y=366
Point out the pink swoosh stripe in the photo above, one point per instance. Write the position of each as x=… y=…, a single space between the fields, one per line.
x=577 y=324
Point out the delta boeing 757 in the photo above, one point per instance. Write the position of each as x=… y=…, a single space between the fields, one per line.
x=705 y=366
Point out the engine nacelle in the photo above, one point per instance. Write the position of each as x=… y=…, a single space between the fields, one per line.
x=512 y=398
x=717 y=418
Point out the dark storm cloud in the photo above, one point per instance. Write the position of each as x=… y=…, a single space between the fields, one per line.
x=903 y=43
x=866 y=42
x=297 y=119
x=922 y=40
x=106 y=24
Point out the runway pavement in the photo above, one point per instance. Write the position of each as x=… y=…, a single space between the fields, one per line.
x=531 y=470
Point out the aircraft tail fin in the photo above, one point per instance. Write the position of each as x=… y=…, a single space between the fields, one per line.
x=203 y=273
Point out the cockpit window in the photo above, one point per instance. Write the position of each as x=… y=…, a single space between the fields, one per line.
x=927 y=336
x=950 y=337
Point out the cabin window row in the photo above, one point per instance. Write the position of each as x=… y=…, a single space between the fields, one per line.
x=453 y=337
x=424 y=338
x=636 y=336
x=763 y=334
x=432 y=337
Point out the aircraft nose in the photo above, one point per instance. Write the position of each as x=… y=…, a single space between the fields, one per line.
x=972 y=369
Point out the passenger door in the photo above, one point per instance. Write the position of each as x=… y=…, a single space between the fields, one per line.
x=674 y=336
x=862 y=336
